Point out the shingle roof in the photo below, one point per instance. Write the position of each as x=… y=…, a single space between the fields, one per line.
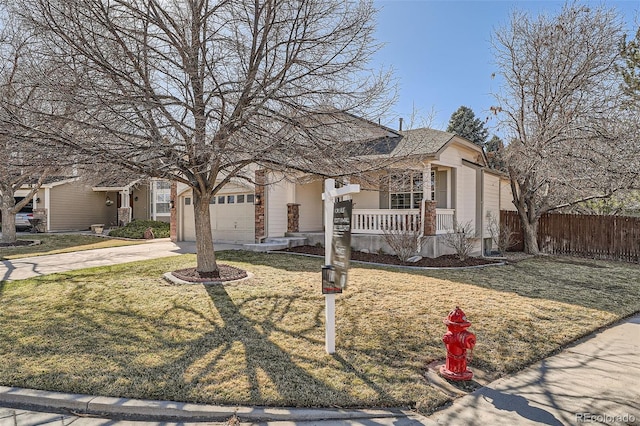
x=422 y=141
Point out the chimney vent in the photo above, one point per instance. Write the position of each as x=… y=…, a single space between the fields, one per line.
x=400 y=128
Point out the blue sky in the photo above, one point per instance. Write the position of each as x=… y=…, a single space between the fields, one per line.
x=441 y=54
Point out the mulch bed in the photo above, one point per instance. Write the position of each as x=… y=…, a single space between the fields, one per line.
x=227 y=273
x=447 y=261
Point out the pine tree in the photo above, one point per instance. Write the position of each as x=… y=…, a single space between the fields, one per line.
x=464 y=123
x=631 y=69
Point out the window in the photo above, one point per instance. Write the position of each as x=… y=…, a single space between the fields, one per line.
x=161 y=197
x=240 y=198
x=212 y=200
x=221 y=199
x=405 y=190
x=250 y=198
x=231 y=199
x=187 y=201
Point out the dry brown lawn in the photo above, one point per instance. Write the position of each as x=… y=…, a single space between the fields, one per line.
x=123 y=331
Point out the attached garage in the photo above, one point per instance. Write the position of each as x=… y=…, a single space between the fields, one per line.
x=232 y=215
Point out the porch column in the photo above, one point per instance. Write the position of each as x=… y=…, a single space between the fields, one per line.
x=430 y=217
x=293 y=217
x=173 y=221
x=124 y=211
x=260 y=228
x=426 y=182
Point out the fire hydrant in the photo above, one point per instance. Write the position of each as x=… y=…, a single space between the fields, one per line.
x=457 y=341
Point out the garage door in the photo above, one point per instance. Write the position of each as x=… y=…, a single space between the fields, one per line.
x=232 y=217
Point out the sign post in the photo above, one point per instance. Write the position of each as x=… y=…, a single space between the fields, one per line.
x=337 y=251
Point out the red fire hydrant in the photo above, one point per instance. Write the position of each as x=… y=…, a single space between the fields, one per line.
x=457 y=340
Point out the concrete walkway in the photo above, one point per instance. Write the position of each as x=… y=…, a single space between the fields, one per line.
x=29 y=267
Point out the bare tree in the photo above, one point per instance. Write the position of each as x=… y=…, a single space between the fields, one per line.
x=196 y=91
x=568 y=139
x=22 y=162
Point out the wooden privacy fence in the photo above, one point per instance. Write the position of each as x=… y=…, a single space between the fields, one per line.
x=604 y=237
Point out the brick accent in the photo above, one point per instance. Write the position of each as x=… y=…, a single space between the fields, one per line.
x=293 y=217
x=173 y=221
x=259 y=205
x=124 y=215
x=430 y=217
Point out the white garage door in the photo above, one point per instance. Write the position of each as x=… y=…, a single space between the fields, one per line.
x=232 y=217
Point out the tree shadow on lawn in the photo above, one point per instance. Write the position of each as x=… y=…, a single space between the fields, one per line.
x=612 y=288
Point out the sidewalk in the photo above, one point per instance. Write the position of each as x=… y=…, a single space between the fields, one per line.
x=29 y=267
x=594 y=381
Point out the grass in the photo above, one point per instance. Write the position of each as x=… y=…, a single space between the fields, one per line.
x=60 y=243
x=123 y=331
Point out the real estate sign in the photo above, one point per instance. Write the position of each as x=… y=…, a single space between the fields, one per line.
x=341 y=241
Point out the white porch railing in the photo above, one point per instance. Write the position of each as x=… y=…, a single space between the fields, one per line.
x=376 y=221
x=444 y=220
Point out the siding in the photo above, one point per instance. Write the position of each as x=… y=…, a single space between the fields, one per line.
x=309 y=196
x=75 y=206
x=279 y=194
x=491 y=205
x=466 y=196
x=506 y=196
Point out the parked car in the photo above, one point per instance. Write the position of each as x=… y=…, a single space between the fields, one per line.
x=22 y=221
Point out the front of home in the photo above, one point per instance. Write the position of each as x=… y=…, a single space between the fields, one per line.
x=440 y=179
x=71 y=204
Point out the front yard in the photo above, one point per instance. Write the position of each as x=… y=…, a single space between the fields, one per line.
x=123 y=331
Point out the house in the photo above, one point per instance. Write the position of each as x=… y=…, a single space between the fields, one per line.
x=71 y=204
x=441 y=179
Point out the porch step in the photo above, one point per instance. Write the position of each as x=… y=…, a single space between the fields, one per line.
x=276 y=244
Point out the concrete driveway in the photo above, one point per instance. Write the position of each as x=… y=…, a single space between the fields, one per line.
x=29 y=267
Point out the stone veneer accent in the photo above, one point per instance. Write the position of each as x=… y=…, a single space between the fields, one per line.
x=124 y=214
x=260 y=229
x=430 y=217
x=293 y=217
x=173 y=221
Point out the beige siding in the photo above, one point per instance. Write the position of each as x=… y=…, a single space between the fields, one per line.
x=279 y=194
x=187 y=226
x=309 y=196
x=506 y=196
x=491 y=205
x=367 y=200
x=466 y=196
x=74 y=206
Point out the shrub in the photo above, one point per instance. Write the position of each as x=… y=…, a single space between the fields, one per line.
x=136 y=228
x=460 y=239
x=501 y=234
x=405 y=244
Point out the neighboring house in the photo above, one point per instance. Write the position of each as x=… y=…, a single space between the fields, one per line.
x=69 y=204
x=442 y=178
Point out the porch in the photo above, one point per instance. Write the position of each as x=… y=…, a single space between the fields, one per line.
x=379 y=221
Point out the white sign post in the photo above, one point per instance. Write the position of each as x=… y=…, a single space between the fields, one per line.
x=329 y=196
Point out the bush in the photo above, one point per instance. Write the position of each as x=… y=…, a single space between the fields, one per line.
x=405 y=244
x=136 y=228
x=460 y=239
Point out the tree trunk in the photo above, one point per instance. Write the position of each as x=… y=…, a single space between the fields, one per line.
x=530 y=235
x=205 y=253
x=8 y=223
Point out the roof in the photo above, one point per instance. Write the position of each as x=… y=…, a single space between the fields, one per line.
x=423 y=141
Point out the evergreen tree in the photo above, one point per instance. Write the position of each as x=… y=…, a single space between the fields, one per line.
x=464 y=123
x=631 y=69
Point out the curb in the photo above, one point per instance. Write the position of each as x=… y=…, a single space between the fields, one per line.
x=136 y=409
